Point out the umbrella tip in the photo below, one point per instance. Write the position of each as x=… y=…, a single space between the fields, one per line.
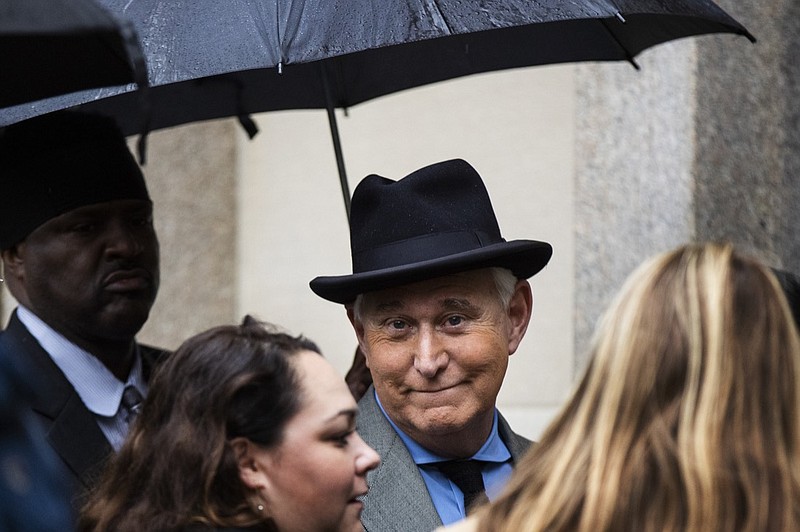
x=141 y=146
x=620 y=17
x=249 y=125
x=280 y=67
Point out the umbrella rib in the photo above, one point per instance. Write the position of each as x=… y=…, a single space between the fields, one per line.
x=628 y=55
x=280 y=37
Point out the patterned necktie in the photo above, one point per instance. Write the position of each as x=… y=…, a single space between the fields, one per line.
x=466 y=474
x=131 y=403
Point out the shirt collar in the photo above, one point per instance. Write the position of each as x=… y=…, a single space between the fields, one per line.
x=97 y=387
x=492 y=450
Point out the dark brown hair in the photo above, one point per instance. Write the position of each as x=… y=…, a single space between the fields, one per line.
x=176 y=467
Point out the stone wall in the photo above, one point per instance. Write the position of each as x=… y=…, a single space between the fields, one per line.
x=701 y=144
x=191 y=174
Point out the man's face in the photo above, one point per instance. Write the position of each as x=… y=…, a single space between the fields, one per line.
x=438 y=351
x=91 y=273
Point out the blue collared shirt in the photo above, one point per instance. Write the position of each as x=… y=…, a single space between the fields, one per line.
x=97 y=387
x=447 y=497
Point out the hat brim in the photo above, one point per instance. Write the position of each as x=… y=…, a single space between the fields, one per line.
x=525 y=258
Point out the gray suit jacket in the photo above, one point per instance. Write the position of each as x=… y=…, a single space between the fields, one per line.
x=398 y=499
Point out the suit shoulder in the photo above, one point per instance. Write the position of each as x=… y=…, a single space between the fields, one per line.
x=151 y=358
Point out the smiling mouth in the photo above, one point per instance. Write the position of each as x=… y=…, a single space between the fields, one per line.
x=438 y=390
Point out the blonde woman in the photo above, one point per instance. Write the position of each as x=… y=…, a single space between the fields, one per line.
x=687 y=417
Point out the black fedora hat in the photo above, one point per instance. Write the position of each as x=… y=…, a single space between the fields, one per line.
x=436 y=221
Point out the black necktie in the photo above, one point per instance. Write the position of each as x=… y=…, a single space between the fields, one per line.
x=131 y=403
x=466 y=474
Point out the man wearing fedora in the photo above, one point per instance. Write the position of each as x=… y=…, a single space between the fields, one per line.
x=438 y=301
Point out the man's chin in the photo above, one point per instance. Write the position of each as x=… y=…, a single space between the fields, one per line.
x=442 y=421
x=124 y=324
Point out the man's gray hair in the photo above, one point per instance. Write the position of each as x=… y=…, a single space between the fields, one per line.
x=505 y=281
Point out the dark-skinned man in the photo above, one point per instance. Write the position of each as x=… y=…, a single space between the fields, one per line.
x=81 y=257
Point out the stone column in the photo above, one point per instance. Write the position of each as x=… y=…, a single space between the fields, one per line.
x=633 y=191
x=191 y=175
x=747 y=130
x=701 y=144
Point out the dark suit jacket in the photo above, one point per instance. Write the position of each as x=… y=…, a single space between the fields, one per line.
x=70 y=428
x=398 y=498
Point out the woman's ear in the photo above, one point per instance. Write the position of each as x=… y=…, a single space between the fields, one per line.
x=250 y=470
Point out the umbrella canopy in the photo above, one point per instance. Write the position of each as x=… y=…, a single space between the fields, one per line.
x=51 y=47
x=210 y=59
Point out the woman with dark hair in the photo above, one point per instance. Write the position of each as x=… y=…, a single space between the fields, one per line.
x=243 y=427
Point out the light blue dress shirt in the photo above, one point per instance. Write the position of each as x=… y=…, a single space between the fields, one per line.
x=97 y=387
x=447 y=497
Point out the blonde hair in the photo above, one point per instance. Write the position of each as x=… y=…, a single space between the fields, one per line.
x=686 y=417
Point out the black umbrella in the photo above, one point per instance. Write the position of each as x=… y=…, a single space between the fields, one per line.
x=210 y=59
x=51 y=47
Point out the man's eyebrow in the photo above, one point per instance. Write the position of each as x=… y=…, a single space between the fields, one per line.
x=463 y=305
x=389 y=306
x=452 y=303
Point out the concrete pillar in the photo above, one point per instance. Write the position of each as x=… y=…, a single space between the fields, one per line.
x=191 y=175
x=747 y=126
x=701 y=144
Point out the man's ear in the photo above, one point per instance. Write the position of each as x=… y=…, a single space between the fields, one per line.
x=12 y=261
x=13 y=272
x=250 y=471
x=520 y=309
x=358 y=326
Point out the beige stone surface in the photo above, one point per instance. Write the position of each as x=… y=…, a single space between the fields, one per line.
x=191 y=175
x=701 y=144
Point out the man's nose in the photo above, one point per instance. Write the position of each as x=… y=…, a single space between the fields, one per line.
x=430 y=356
x=123 y=240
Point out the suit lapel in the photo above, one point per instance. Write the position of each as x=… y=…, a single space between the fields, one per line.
x=151 y=357
x=516 y=444
x=71 y=429
x=398 y=499
x=78 y=440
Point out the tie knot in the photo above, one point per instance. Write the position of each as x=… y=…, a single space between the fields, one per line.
x=467 y=475
x=131 y=402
